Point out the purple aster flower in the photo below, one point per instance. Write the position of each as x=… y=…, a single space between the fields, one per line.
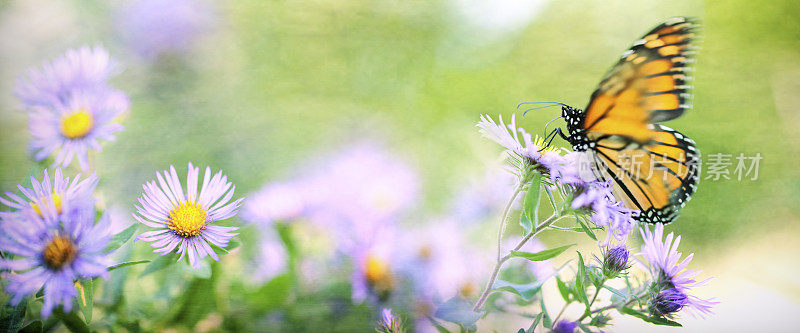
x=565 y=326
x=390 y=323
x=526 y=150
x=71 y=106
x=56 y=194
x=52 y=251
x=184 y=221
x=574 y=169
x=359 y=189
x=669 y=271
x=374 y=254
x=605 y=210
x=275 y=202
x=77 y=70
x=155 y=27
x=441 y=267
x=73 y=126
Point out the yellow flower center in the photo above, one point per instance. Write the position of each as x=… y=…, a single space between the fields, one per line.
x=376 y=269
x=467 y=290
x=76 y=124
x=56 y=201
x=379 y=277
x=187 y=219
x=59 y=252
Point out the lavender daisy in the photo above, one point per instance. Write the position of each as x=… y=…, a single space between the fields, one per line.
x=525 y=150
x=669 y=272
x=184 y=221
x=375 y=257
x=84 y=69
x=70 y=128
x=57 y=194
x=52 y=251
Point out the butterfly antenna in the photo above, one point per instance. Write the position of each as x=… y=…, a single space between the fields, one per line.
x=539 y=107
x=548 y=123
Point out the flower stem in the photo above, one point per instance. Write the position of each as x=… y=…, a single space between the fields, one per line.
x=503 y=219
x=501 y=260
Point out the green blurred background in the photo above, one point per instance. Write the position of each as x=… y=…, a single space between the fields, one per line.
x=273 y=84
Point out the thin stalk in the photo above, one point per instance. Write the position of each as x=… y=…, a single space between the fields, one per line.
x=503 y=219
x=501 y=260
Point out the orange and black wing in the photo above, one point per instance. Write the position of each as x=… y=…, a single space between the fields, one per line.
x=647 y=85
x=656 y=179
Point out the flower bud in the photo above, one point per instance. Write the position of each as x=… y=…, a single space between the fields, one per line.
x=615 y=260
x=668 y=301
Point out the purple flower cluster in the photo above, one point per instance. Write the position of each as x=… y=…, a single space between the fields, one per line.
x=71 y=106
x=54 y=240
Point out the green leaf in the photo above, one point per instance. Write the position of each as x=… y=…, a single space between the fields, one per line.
x=563 y=289
x=531 y=203
x=72 y=321
x=547 y=322
x=653 y=320
x=12 y=316
x=580 y=281
x=121 y=238
x=586 y=229
x=526 y=291
x=160 y=263
x=617 y=294
x=526 y=223
x=85 y=289
x=271 y=296
x=458 y=310
x=535 y=323
x=126 y=264
x=35 y=326
x=203 y=272
x=550 y=196
x=197 y=301
x=541 y=255
x=439 y=327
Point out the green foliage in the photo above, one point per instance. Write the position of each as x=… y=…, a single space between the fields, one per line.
x=541 y=255
x=85 y=290
x=122 y=237
x=530 y=207
x=12 y=316
x=653 y=320
x=458 y=310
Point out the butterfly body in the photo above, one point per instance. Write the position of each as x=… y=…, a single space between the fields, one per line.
x=619 y=128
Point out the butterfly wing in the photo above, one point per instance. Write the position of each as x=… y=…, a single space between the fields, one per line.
x=657 y=179
x=647 y=85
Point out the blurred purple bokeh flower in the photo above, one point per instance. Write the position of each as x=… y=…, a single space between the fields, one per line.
x=156 y=27
x=71 y=105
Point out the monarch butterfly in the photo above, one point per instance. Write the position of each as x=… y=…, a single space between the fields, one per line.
x=646 y=86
